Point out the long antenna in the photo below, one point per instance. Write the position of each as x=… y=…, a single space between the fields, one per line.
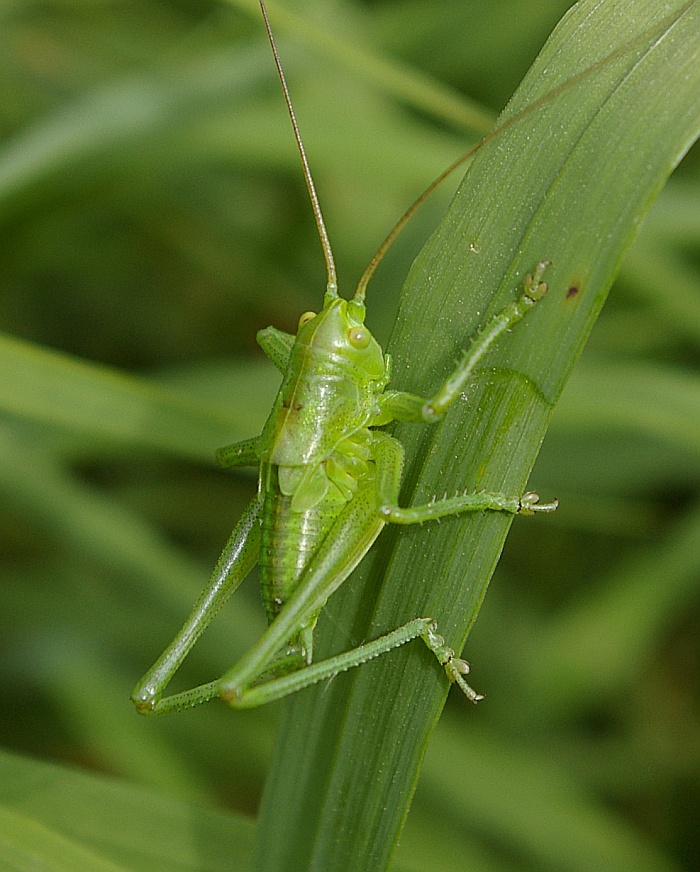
x=360 y=292
x=332 y=279
x=359 y=296
x=361 y=289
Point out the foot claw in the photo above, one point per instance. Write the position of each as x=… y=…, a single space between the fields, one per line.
x=530 y=503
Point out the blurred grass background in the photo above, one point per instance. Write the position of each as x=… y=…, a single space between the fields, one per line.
x=153 y=218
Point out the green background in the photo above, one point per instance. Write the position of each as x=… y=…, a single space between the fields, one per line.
x=153 y=218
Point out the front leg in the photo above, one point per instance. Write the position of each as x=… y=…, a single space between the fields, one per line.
x=400 y=406
x=277 y=345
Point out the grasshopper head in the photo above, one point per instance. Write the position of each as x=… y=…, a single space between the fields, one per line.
x=339 y=330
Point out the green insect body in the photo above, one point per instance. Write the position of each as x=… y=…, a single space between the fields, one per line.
x=315 y=450
x=329 y=481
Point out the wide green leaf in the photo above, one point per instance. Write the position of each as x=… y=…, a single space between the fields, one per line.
x=52 y=388
x=57 y=819
x=53 y=818
x=614 y=97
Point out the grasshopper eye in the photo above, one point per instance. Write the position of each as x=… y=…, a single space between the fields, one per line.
x=305 y=318
x=359 y=337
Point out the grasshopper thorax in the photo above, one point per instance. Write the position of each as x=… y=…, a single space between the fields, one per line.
x=330 y=391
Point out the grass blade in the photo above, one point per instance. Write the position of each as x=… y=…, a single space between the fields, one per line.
x=53 y=818
x=569 y=182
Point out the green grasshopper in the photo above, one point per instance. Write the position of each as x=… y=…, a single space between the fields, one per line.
x=328 y=483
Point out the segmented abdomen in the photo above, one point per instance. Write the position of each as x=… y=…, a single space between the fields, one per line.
x=289 y=539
